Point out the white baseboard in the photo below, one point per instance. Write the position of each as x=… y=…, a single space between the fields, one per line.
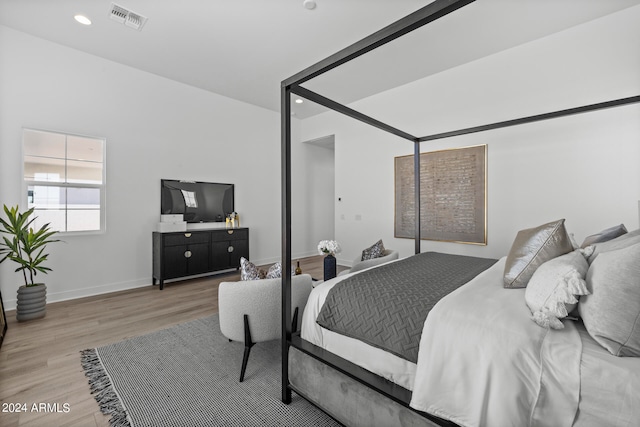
x=10 y=304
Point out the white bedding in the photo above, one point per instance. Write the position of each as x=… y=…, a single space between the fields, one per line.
x=610 y=387
x=484 y=362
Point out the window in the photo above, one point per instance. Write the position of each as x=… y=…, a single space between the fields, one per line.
x=189 y=199
x=64 y=177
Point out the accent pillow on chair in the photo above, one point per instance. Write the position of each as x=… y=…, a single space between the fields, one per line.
x=357 y=265
x=374 y=251
x=533 y=247
x=275 y=271
x=249 y=271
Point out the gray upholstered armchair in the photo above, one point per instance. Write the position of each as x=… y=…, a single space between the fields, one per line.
x=358 y=264
x=250 y=311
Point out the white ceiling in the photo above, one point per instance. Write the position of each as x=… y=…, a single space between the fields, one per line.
x=243 y=49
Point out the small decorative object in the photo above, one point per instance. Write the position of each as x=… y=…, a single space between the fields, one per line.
x=233 y=220
x=298 y=269
x=330 y=248
x=25 y=246
x=330 y=267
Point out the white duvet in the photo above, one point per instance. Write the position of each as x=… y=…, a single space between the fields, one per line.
x=482 y=360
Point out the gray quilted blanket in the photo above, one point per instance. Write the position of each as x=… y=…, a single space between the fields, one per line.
x=386 y=306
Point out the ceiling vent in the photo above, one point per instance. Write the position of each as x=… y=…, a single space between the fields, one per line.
x=127 y=17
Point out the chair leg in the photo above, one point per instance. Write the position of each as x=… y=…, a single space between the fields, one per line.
x=247 y=346
x=294 y=321
x=248 y=343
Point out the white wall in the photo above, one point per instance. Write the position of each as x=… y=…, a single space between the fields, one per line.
x=155 y=128
x=584 y=168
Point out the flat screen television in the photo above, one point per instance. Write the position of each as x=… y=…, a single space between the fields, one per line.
x=197 y=201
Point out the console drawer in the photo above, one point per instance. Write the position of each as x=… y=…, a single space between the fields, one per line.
x=188 y=238
x=230 y=234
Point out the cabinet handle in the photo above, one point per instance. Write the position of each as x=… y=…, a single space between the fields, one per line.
x=187 y=254
x=230 y=231
x=230 y=249
x=187 y=235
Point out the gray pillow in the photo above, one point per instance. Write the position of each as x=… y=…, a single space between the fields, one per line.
x=611 y=314
x=624 y=241
x=552 y=290
x=605 y=235
x=531 y=248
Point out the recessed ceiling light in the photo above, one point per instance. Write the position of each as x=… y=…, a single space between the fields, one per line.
x=309 y=4
x=82 y=19
x=299 y=101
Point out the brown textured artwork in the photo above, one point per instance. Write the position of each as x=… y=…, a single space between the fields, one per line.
x=452 y=195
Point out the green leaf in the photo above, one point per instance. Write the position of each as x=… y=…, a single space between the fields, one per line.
x=24 y=245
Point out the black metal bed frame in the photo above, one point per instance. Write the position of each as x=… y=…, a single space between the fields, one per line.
x=423 y=16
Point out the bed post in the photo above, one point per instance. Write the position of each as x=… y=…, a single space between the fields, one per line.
x=416 y=178
x=285 y=118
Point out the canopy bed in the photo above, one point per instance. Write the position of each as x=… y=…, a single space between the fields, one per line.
x=405 y=384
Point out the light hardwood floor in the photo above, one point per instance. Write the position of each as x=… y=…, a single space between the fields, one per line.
x=40 y=359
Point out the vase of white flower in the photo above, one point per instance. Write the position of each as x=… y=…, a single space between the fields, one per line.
x=329 y=248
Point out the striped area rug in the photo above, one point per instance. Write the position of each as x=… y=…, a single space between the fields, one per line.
x=187 y=376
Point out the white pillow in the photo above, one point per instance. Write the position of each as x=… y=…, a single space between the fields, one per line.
x=552 y=290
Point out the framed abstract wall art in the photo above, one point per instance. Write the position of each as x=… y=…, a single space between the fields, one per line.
x=453 y=195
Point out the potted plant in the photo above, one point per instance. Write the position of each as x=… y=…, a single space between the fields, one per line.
x=25 y=246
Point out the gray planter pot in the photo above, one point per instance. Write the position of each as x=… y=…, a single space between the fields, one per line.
x=32 y=302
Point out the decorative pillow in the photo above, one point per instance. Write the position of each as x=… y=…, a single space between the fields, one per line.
x=531 y=248
x=572 y=238
x=374 y=251
x=611 y=314
x=624 y=241
x=551 y=292
x=275 y=271
x=249 y=271
x=605 y=235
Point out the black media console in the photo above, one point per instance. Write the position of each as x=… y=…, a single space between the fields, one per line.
x=188 y=253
